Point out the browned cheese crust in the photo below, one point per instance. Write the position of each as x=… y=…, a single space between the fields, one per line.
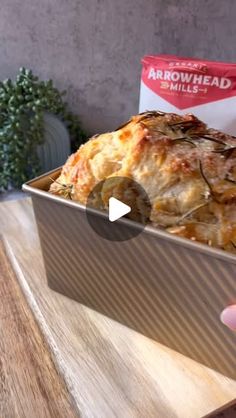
x=187 y=170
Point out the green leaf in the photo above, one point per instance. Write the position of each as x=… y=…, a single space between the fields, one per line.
x=22 y=104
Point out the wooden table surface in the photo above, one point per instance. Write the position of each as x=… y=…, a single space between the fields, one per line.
x=103 y=369
x=29 y=381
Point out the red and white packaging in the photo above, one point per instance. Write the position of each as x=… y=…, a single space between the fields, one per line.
x=189 y=85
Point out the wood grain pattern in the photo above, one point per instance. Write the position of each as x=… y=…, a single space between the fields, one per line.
x=111 y=370
x=30 y=386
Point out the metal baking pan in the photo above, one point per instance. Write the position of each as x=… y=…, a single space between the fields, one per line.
x=168 y=288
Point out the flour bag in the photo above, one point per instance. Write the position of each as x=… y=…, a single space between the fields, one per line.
x=189 y=85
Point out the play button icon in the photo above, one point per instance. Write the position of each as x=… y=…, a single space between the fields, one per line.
x=117 y=209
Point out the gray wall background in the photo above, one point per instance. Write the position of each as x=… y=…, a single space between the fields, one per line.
x=93 y=47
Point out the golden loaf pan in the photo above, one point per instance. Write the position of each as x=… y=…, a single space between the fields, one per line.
x=166 y=287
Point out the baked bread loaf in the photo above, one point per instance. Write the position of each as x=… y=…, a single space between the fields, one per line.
x=187 y=170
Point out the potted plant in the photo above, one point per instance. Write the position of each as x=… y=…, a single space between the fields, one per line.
x=23 y=106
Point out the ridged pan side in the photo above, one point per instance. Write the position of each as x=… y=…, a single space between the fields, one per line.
x=164 y=290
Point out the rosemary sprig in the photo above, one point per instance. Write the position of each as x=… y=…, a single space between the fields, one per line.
x=205 y=178
x=145 y=115
x=215 y=196
x=210 y=138
x=184 y=139
x=184 y=122
x=229 y=179
x=149 y=115
x=228 y=150
x=191 y=211
x=65 y=189
x=152 y=113
x=154 y=130
x=56 y=181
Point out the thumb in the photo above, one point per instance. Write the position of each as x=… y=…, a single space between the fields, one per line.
x=228 y=317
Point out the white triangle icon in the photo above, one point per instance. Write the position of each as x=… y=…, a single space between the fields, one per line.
x=117 y=209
